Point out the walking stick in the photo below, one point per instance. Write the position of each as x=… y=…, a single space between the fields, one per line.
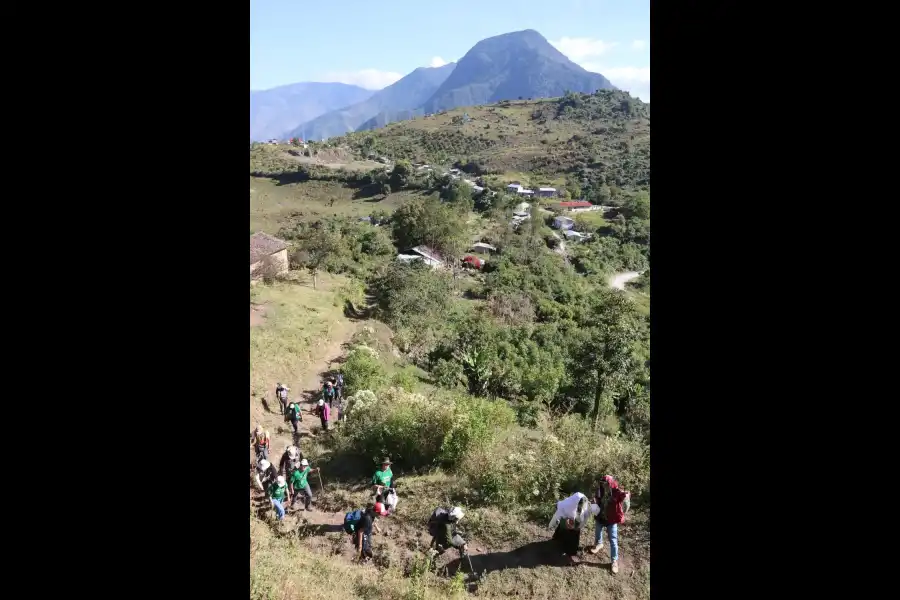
x=321 y=485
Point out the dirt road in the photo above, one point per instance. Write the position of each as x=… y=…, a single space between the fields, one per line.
x=619 y=280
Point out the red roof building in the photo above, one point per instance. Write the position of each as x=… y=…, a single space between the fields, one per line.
x=575 y=204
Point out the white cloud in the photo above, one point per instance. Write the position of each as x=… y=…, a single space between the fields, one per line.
x=635 y=80
x=371 y=79
x=638 y=45
x=579 y=48
x=437 y=61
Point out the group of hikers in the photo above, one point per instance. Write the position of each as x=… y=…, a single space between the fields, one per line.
x=286 y=484
x=332 y=391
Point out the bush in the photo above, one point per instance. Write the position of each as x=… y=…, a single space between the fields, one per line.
x=362 y=370
x=568 y=457
x=416 y=431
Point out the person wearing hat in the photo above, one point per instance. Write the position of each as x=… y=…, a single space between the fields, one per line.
x=328 y=393
x=265 y=474
x=290 y=460
x=445 y=534
x=323 y=410
x=294 y=415
x=299 y=483
x=259 y=439
x=382 y=479
x=278 y=493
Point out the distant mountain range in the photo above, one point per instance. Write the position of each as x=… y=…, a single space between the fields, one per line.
x=278 y=110
x=522 y=64
x=399 y=101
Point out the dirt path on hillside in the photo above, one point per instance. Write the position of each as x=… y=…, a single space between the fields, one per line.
x=619 y=280
x=266 y=411
x=398 y=541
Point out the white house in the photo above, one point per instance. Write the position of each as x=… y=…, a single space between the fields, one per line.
x=546 y=192
x=482 y=246
x=524 y=192
x=423 y=253
x=513 y=187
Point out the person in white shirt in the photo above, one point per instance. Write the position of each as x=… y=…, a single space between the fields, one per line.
x=566 y=524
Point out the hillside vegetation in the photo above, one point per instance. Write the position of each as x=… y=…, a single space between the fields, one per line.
x=593 y=144
x=501 y=390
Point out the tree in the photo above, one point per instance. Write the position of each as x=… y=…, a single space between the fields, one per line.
x=316 y=247
x=431 y=223
x=400 y=174
x=603 y=357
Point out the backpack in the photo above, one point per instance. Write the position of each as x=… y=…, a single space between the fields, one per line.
x=437 y=518
x=351 y=520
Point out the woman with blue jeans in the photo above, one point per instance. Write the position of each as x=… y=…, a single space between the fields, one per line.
x=611 y=504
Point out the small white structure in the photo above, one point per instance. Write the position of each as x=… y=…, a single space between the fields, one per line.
x=514 y=187
x=524 y=192
x=429 y=256
x=575 y=236
x=483 y=246
x=546 y=192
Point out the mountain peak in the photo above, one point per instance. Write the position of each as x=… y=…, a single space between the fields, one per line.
x=520 y=64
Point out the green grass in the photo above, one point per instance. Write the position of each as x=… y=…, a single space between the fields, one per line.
x=273 y=206
x=299 y=321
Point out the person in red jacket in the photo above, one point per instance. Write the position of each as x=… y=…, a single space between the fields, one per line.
x=611 y=504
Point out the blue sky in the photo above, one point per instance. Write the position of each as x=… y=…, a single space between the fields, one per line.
x=373 y=44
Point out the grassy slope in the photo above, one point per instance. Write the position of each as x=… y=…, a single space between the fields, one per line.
x=277 y=200
x=274 y=205
x=534 y=142
x=302 y=334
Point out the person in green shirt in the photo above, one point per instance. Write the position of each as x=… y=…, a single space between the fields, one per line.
x=382 y=479
x=300 y=483
x=278 y=492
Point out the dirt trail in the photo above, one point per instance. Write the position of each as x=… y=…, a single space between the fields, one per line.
x=280 y=432
x=399 y=540
x=619 y=280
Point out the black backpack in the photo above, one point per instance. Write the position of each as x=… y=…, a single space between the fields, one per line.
x=439 y=517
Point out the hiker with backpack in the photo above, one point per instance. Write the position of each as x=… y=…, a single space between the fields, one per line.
x=266 y=473
x=260 y=441
x=567 y=523
x=299 y=484
x=281 y=393
x=294 y=415
x=442 y=528
x=359 y=524
x=323 y=411
x=612 y=503
x=339 y=386
x=262 y=474
x=278 y=493
x=382 y=478
x=328 y=393
x=290 y=460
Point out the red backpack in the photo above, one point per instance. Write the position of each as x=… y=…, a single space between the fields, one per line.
x=618 y=505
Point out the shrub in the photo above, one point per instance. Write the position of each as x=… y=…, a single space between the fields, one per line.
x=568 y=457
x=416 y=431
x=362 y=370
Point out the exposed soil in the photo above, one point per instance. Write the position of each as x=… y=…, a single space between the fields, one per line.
x=257 y=315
